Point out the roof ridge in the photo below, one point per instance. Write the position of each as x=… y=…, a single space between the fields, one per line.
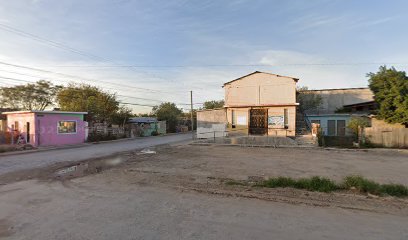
x=295 y=79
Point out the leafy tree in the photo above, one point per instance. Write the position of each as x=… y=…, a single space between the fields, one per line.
x=31 y=96
x=122 y=115
x=100 y=105
x=356 y=123
x=390 y=88
x=168 y=112
x=308 y=100
x=213 y=104
x=144 y=115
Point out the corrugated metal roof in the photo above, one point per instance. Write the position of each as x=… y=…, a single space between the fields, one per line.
x=142 y=120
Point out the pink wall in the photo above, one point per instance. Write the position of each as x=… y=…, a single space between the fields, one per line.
x=47 y=133
x=23 y=119
x=44 y=130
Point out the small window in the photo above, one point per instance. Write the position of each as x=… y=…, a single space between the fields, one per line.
x=286 y=117
x=65 y=127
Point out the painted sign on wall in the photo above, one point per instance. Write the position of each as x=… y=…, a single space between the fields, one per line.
x=276 y=121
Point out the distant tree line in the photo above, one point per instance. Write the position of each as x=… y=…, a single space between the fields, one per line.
x=100 y=105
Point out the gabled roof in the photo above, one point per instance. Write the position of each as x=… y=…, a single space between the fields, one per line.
x=256 y=72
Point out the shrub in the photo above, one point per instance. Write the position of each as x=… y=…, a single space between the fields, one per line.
x=397 y=190
x=361 y=184
x=322 y=184
x=279 y=182
x=319 y=184
x=315 y=183
x=356 y=123
x=154 y=133
x=320 y=137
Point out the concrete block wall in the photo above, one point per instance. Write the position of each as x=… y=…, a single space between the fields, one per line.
x=211 y=122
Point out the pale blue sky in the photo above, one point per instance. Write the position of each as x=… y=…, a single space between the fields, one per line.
x=186 y=45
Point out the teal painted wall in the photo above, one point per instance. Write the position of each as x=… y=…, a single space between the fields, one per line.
x=148 y=128
x=324 y=118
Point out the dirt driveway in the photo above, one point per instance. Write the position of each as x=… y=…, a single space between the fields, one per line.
x=180 y=193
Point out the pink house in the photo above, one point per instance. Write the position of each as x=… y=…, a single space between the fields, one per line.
x=46 y=128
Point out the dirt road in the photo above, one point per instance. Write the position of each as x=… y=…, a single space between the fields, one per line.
x=93 y=208
x=181 y=193
x=40 y=159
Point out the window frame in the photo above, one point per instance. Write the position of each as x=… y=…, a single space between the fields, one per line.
x=62 y=133
x=285 y=118
x=343 y=129
x=334 y=128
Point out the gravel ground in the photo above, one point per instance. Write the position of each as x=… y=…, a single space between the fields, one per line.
x=380 y=165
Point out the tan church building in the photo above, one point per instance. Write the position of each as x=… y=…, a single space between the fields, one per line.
x=258 y=104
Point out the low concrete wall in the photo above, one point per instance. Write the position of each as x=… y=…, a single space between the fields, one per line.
x=216 y=130
x=211 y=123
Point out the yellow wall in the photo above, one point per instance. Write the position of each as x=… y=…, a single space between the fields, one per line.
x=260 y=89
x=272 y=111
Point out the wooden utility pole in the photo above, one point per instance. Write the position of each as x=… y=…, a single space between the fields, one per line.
x=192 y=114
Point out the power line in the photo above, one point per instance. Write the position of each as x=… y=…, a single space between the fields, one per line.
x=232 y=65
x=119 y=95
x=81 y=78
x=136 y=104
x=52 y=79
x=15 y=79
x=62 y=46
x=53 y=43
x=149 y=99
x=27 y=75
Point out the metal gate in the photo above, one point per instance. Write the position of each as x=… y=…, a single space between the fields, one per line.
x=258 y=123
